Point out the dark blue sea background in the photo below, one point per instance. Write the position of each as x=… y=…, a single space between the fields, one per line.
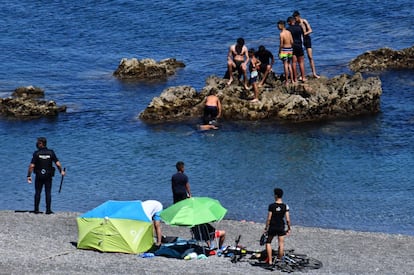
x=348 y=174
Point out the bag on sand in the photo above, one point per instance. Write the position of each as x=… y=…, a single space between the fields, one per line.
x=263 y=238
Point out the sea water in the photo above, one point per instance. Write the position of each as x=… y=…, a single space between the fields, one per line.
x=348 y=174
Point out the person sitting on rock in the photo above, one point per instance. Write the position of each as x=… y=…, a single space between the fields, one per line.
x=237 y=59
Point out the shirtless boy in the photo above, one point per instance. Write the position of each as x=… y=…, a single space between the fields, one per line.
x=212 y=111
x=212 y=108
x=286 y=50
x=237 y=59
x=254 y=67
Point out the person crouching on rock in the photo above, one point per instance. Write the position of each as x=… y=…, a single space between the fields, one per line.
x=212 y=110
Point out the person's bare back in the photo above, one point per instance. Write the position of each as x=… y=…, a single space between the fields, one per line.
x=212 y=100
x=286 y=39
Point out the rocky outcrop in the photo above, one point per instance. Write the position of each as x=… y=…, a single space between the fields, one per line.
x=147 y=69
x=26 y=102
x=383 y=59
x=317 y=99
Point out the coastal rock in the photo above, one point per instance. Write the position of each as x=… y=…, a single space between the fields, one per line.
x=25 y=103
x=147 y=69
x=383 y=59
x=316 y=99
x=28 y=92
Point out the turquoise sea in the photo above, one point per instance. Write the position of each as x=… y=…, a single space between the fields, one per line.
x=347 y=174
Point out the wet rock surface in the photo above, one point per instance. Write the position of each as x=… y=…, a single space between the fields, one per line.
x=28 y=102
x=147 y=69
x=316 y=99
x=383 y=59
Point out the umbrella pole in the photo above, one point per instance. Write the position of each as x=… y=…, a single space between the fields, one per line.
x=201 y=237
x=216 y=239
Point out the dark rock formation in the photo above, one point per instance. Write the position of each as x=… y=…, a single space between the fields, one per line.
x=383 y=59
x=147 y=69
x=25 y=103
x=317 y=99
x=28 y=92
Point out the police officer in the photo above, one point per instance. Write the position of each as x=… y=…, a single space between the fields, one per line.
x=42 y=165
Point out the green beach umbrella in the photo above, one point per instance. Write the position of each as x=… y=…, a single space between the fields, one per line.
x=193 y=211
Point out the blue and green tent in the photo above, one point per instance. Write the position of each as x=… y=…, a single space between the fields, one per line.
x=116 y=226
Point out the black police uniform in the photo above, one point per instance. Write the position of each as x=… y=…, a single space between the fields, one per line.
x=43 y=161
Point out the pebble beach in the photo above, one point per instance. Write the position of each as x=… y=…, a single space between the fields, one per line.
x=46 y=244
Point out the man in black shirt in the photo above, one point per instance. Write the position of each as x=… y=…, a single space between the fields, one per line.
x=298 y=53
x=307 y=42
x=42 y=165
x=266 y=62
x=179 y=183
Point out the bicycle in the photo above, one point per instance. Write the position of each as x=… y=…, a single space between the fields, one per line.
x=237 y=252
x=290 y=261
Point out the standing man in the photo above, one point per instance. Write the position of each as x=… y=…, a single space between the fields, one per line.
x=307 y=42
x=237 y=59
x=179 y=183
x=42 y=165
x=152 y=209
x=266 y=62
x=286 y=50
x=298 y=54
x=277 y=217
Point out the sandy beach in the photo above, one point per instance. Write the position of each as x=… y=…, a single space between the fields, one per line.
x=46 y=244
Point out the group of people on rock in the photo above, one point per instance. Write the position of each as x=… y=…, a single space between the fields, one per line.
x=294 y=37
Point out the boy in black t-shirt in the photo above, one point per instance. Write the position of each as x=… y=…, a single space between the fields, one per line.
x=278 y=213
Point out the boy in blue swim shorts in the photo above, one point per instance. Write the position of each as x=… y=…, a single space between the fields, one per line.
x=254 y=74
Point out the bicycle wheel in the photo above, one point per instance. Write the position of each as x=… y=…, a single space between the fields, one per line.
x=296 y=259
x=296 y=255
x=313 y=263
x=283 y=266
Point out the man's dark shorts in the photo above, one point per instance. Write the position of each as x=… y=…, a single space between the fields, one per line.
x=263 y=67
x=275 y=232
x=179 y=197
x=238 y=64
x=307 y=42
x=298 y=50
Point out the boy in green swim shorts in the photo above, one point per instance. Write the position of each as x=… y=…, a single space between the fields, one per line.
x=286 y=50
